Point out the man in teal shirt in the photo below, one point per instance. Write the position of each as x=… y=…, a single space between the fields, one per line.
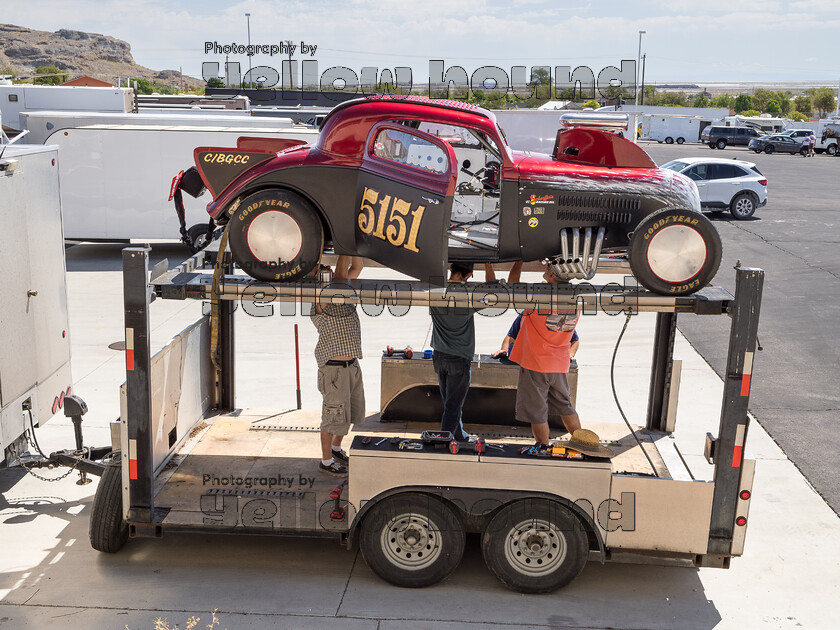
x=453 y=339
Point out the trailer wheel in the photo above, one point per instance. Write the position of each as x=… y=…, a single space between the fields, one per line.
x=412 y=540
x=669 y=140
x=276 y=235
x=680 y=140
x=108 y=530
x=198 y=237
x=675 y=252
x=535 y=546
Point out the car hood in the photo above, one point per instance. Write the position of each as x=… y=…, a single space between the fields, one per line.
x=677 y=190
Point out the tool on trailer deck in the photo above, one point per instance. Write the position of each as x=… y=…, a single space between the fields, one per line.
x=407 y=352
x=409 y=445
x=478 y=446
x=437 y=437
x=380 y=441
x=365 y=440
x=338 y=512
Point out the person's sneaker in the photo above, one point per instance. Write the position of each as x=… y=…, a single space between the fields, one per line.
x=335 y=469
x=341 y=456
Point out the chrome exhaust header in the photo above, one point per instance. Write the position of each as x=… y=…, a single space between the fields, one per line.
x=577 y=263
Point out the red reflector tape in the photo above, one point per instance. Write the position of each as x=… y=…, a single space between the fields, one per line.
x=129 y=349
x=745 y=385
x=736 y=456
x=132 y=469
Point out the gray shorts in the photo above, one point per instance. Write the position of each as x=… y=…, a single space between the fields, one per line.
x=539 y=394
x=344 y=397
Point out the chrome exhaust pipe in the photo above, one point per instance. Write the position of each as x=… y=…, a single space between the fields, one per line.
x=576 y=262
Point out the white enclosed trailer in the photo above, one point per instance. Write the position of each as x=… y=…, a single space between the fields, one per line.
x=34 y=335
x=116 y=178
x=17 y=99
x=670 y=129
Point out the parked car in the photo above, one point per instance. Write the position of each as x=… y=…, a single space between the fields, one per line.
x=412 y=183
x=720 y=137
x=777 y=142
x=796 y=134
x=725 y=184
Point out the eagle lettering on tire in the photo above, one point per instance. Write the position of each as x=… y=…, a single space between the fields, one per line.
x=276 y=235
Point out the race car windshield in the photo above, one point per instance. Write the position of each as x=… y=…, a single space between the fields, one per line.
x=462 y=137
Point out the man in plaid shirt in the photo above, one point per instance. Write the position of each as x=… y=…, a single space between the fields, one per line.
x=337 y=352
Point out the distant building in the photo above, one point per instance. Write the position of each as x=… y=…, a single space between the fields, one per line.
x=88 y=82
x=560 y=105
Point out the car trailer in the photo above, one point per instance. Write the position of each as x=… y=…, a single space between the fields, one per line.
x=186 y=459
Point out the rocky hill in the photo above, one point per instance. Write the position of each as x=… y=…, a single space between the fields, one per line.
x=79 y=53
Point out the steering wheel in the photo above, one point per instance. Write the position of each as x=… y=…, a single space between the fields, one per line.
x=474 y=184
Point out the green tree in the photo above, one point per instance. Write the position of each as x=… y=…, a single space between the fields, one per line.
x=749 y=113
x=823 y=99
x=700 y=101
x=773 y=107
x=141 y=85
x=783 y=98
x=649 y=95
x=803 y=104
x=50 y=75
x=215 y=82
x=592 y=104
x=723 y=100
x=742 y=103
x=541 y=84
x=672 y=99
x=798 y=117
x=760 y=98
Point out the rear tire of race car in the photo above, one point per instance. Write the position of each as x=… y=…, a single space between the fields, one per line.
x=675 y=252
x=276 y=235
x=535 y=546
x=412 y=540
x=669 y=140
x=108 y=530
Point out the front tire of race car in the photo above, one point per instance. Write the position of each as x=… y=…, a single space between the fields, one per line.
x=276 y=236
x=675 y=252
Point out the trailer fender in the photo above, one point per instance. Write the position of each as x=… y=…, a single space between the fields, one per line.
x=461 y=497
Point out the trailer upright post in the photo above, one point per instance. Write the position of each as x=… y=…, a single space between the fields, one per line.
x=660 y=373
x=734 y=420
x=138 y=451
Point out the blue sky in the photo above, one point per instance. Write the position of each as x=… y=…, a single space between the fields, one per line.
x=710 y=40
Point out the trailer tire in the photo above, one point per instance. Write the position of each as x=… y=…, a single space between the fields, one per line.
x=108 y=530
x=412 y=540
x=680 y=140
x=276 y=235
x=675 y=252
x=669 y=140
x=198 y=237
x=535 y=546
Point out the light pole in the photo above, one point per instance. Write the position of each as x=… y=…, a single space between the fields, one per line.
x=638 y=62
x=248 y=18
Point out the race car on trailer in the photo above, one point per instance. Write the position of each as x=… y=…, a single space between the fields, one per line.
x=412 y=183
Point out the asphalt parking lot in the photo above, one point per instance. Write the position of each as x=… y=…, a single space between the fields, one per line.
x=795 y=238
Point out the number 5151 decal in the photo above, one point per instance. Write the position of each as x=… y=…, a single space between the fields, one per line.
x=376 y=219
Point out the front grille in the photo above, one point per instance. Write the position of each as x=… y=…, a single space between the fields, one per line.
x=589 y=216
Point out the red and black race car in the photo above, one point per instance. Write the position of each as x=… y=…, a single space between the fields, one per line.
x=412 y=183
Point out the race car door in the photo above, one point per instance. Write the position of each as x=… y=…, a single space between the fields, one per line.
x=404 y=201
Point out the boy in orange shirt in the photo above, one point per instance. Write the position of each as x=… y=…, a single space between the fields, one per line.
x=542 y=352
